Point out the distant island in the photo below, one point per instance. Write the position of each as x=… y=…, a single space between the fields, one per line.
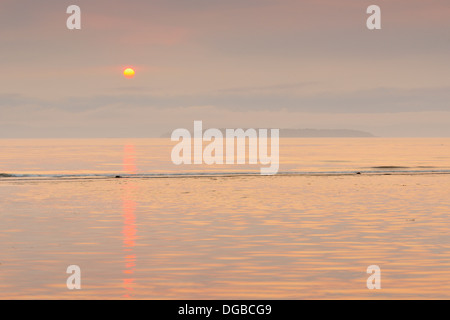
x=325 y=133
x=311 y=133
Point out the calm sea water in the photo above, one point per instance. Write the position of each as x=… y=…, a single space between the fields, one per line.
x=153 y=157
x=226 y=236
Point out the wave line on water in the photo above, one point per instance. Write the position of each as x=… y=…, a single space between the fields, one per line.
x=12 y=176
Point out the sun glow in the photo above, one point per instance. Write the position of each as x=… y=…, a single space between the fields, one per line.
x=129 y=73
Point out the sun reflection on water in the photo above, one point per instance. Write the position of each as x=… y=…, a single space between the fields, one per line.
x=129 y=222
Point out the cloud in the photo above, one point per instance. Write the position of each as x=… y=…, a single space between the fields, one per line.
x=382 y=111
x=375 y=100
x=265 y=89
x=131 y=121
x=251 y=62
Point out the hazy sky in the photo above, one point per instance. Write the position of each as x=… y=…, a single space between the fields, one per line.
x=230 y=63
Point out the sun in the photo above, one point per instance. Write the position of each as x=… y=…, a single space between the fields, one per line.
x=129 y=73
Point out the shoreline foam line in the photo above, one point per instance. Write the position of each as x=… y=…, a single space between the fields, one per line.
x=108 y=176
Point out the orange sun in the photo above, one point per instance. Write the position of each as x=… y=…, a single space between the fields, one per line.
x=129 y=73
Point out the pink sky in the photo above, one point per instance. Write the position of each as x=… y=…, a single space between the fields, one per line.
x=250 y=63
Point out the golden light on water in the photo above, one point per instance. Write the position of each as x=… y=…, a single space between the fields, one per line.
x=129 y=227
x=226 y=237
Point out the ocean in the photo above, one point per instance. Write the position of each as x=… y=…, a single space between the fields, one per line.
x=161 y=231
x=82 y=158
